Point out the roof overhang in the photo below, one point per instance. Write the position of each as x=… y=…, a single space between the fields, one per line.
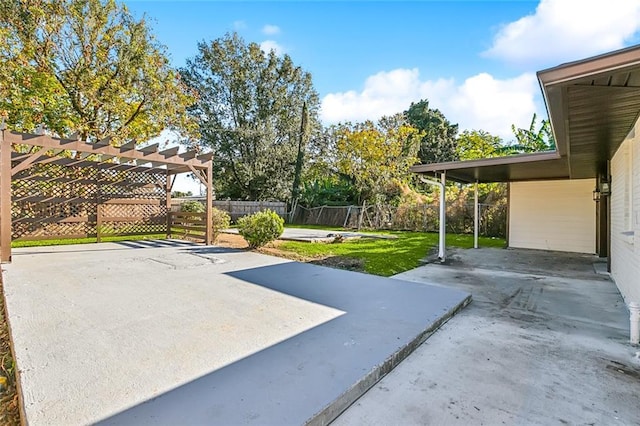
x=593 y=104
x=542 y=165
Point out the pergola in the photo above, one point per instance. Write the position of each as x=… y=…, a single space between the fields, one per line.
x=101 y=173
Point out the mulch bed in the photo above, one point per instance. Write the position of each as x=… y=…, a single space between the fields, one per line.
x=9 y=406
x=339 y=262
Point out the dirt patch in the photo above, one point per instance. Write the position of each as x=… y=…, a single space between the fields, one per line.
x=231 y=241
x=341 y=262
x=272 y=249
x=9 y=406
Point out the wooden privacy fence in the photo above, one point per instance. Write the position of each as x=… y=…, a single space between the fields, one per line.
x=237 y=209
x=192 y=226
x=415 y=217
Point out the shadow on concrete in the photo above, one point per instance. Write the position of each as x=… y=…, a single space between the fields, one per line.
x=316 y=374
x=207 y=250
x=104 y=246
x=156 y=243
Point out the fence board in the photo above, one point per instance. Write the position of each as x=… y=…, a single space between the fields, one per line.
x=236 y=209
x=419 y=217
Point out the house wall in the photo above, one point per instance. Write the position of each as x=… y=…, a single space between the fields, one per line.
x=625 y=217
x=553 y=215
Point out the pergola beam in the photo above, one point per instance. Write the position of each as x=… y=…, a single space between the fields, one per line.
x=28 y=161
x=125 y=151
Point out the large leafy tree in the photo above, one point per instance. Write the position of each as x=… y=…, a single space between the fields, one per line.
x=474 y=144
x=533 y=139
x=377 y=155
x=86 y=67
x=438 y=142
x=250 y=108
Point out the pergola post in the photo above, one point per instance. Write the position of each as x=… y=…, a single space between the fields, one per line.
x=5 y=198
x=168 y=185
x=476 y=214
x=209 y=235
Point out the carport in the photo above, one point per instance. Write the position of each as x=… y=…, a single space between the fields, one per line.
x=68 y=188
x=593 y=105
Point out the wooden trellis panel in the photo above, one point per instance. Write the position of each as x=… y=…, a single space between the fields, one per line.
x=69 y=201
x=131 y=217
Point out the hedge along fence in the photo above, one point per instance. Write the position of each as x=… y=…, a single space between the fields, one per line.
x=410 y=217
x=237 y=209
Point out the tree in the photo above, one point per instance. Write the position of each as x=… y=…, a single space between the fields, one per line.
x=250 y=111
x=376 y=156
x=532 y=139
x=86 y=67
x=474 y=144
x=439 y=135
x=302 y=139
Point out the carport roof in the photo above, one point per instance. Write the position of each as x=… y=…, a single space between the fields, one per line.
x=593 y=104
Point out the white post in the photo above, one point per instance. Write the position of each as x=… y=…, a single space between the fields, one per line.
x=443 y=218
x=476 y=218
x=634 y=320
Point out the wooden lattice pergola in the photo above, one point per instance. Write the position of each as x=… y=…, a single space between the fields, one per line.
x=52 y=187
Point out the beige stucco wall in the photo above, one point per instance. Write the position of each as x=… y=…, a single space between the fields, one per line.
x=625 y=217
x=553 y=215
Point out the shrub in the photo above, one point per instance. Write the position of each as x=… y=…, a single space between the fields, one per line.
x=192 y=207
x=260 y=228
x=221 y=220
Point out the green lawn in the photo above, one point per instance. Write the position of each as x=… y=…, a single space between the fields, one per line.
x=387 y=256
x=63 y=242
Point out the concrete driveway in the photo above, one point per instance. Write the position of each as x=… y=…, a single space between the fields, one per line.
x=544 y=342
x=167 y=332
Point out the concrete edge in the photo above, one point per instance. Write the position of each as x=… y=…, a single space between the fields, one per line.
x=326 y=240
x=351 y=395
x=18 y=378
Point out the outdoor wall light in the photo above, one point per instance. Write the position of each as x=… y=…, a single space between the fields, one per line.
x=602 y=190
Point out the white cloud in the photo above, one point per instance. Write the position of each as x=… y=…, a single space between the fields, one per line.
x=269 y=45
x=271 y=29
x=563 y=30
x=480 y=102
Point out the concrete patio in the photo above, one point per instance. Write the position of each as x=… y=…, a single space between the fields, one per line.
x=167 y=332
x=545 y=341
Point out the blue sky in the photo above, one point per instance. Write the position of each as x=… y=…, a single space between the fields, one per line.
x=474 y=60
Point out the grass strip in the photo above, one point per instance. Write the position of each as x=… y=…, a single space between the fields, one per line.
x=386 y=257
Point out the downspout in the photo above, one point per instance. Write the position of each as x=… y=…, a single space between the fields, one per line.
x=443 y=218
x=442 y=233
x=634 y=319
